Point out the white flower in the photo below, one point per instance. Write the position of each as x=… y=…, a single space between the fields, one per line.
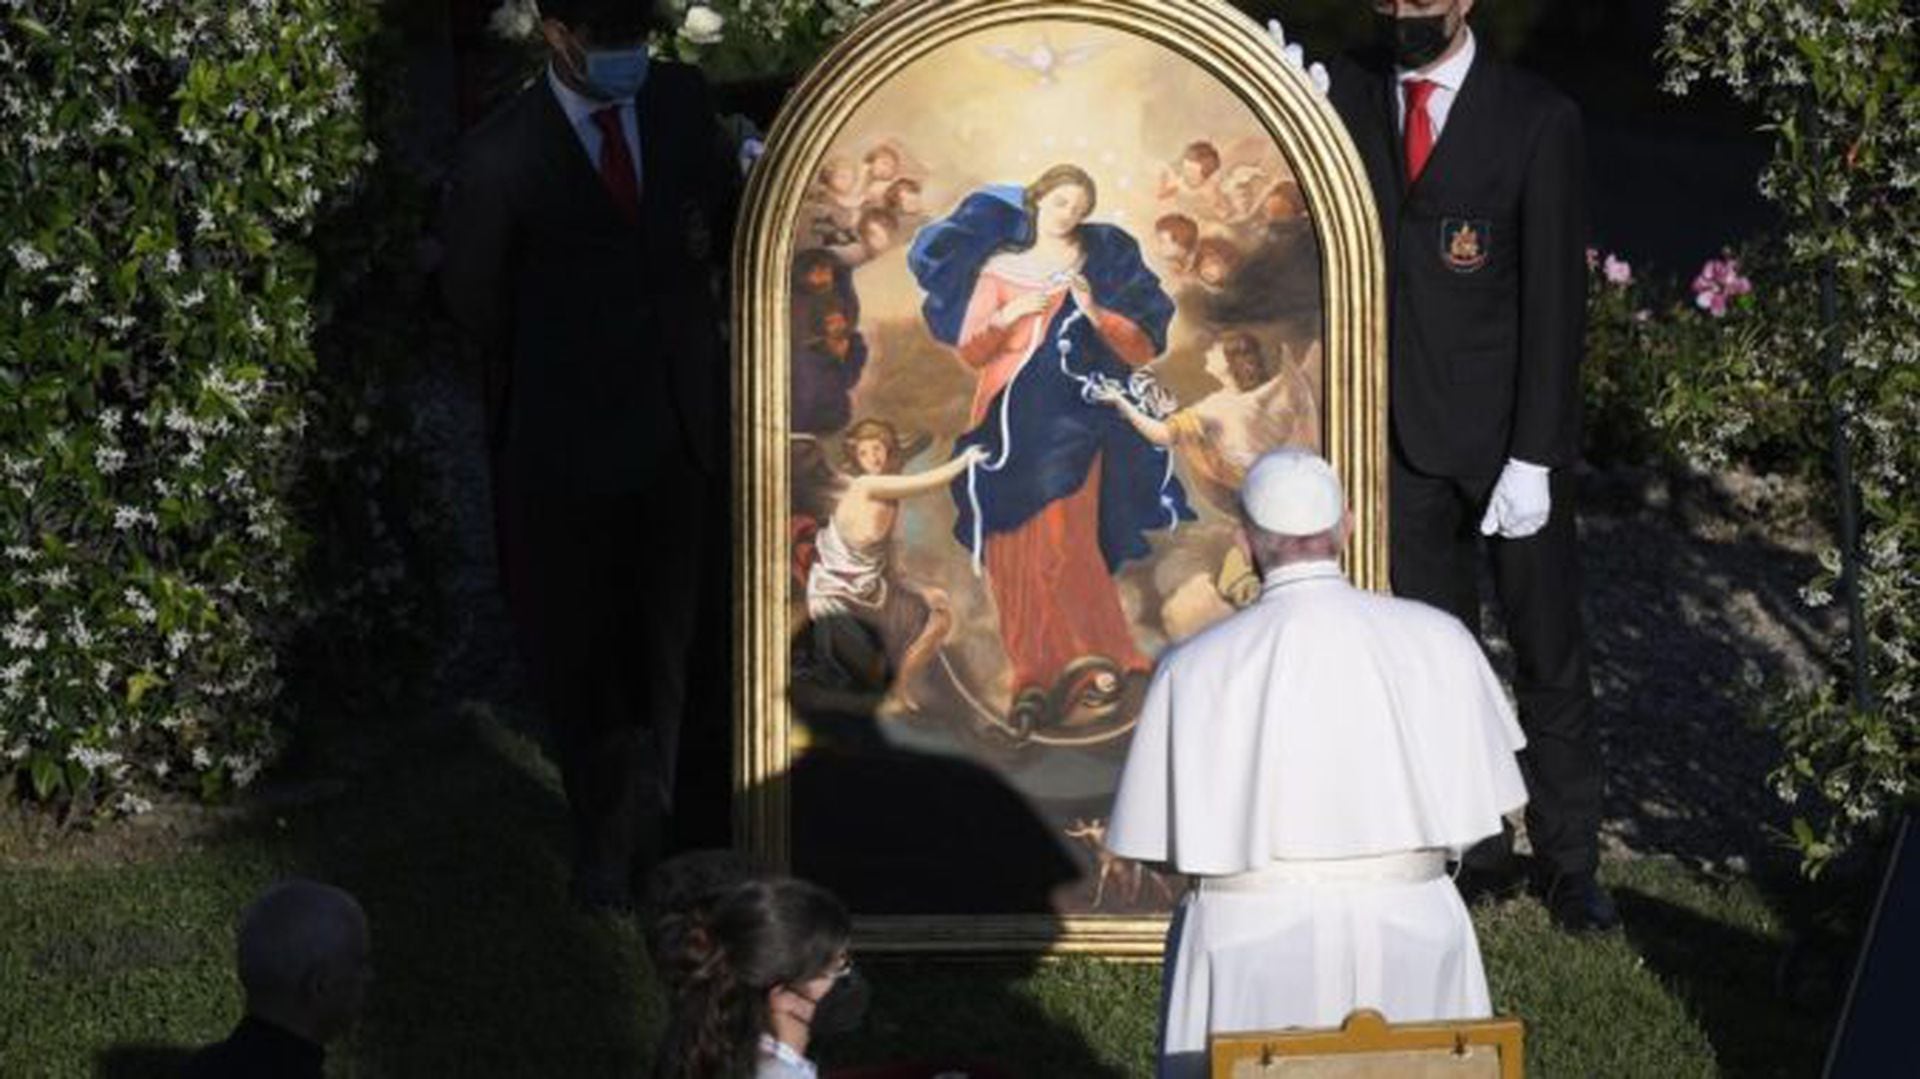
x=177 y=643
x=142 y=608
x=244 y=769
x=514 y=20
x=93 y=760
x=130 y=804
x=201 y=758
x=703 y=25
x=57 y=577
x=79 y=286
x=21 y=635
x=109 y=459
x=28 y=257
x=127 y=518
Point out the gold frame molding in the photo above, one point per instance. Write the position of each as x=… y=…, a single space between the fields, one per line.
x=1232 y=49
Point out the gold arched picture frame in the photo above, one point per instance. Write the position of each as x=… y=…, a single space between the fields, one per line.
x=1019 y=288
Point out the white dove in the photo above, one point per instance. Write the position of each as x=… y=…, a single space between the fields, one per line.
x=1041 y=58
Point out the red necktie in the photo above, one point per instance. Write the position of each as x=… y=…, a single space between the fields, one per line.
x=616 y=164
x=1419 y=126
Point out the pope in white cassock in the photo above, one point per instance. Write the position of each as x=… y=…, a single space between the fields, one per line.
x=1313 y=761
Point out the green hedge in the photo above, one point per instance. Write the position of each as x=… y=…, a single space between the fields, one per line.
x=171 y=171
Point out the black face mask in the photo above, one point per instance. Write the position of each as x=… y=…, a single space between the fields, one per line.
x=844 y=1007
x=1415 y=40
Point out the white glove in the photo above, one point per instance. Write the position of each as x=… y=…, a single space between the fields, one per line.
x=1520 y=503
x=1316 y=74
x=750 y=152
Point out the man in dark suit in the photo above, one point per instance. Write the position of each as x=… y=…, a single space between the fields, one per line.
x=1477 y=169
x=585 y=232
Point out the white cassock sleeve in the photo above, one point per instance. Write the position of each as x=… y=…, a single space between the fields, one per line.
x=1142 y=804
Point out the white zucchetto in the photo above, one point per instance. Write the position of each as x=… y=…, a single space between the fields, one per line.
x=1292 y=492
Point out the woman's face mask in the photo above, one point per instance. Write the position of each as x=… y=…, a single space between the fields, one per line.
x=844 y=1007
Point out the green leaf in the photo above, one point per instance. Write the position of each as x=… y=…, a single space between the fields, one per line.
x=1802 y=833
x=33 y=27
x=45 y=775
x=139 y=684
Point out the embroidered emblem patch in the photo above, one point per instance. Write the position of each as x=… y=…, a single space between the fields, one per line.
x=1465 y=242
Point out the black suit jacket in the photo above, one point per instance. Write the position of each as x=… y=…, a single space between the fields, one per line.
x=1486 y=327
x=609 y=335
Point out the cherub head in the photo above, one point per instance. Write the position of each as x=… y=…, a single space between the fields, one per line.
x=903 y=197
x=1198 y=162
x=1174 y=237
x=813 y=272
x=1214 y=261
x=838 y=175
x=836 y=332
x=1283 y=202
x=872 y=448
x=883 y=163
x=1236 y=359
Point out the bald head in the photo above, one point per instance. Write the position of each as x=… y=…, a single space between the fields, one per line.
x=303 y=956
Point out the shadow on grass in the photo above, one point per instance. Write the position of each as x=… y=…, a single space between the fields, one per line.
x=1726 y=975
x=140 y=1062
x=452 y=834
x=1687 y=594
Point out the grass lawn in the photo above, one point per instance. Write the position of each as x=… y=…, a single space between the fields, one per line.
x=115 y=949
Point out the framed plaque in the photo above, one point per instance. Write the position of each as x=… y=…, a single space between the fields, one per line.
x=1021 y=289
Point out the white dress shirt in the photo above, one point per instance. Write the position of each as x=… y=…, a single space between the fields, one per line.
x=1447 y=76
x=580 y=109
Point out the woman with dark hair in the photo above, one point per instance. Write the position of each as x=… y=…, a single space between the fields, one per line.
x=753 y=971
x=1045 y=307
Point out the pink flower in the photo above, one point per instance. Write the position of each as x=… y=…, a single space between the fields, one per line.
x=1643 y=315
x=1718 y=283
x=1593 y=258
x=1618 y=271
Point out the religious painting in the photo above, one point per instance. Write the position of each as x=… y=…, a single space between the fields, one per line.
x=1023 y=290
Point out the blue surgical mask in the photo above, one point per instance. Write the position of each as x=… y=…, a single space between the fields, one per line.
x=617 y=74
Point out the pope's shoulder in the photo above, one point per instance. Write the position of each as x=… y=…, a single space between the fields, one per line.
x=1416 y=616
x=1350 y=607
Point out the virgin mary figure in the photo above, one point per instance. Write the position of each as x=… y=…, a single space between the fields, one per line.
x=1052 y=313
